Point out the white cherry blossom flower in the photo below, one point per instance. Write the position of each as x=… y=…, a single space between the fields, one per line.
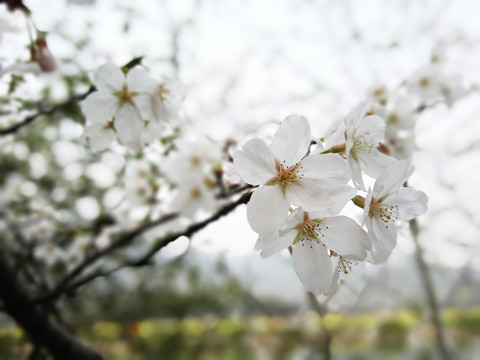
x=387 y=203
x=120 y=106
x=316 y=242
x=165 y=100
x=363 y=135
x=193 y=169
x=425 y=84
x=139 y=185
x=289 y=176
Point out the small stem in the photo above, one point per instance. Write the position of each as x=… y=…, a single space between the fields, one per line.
x=359 y=201
x=335 y=149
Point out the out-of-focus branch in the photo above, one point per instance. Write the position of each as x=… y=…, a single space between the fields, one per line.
x=34 y=320
x=31 y=118
x=430 y=292
x=68 y=285
x=192 y=229
x=122 y=241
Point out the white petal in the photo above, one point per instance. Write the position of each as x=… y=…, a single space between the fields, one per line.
x=313 y=266
x=267 y=209
x=256 y=163
x=356 y=171
x=295 y=218
x=392 y=179
x=129 y=127
x=355 y=115
x=292 y=140
x=340 y=195
x=410 y=202
x=383 y=237
x=378 y=256
x=99 y=107
x=139 y=81
x=344 y=236
x=109 y=78
x=144 y=103
x=260 y=243
x=374 y=162
x=336 y=138
x=99 y=136
x=328 y=169
x=274 y=244
x=371 y=128
x=309 y=195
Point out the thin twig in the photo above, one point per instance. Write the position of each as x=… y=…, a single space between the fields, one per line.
x=31 y=118
x=67 y=285
x=124 y=240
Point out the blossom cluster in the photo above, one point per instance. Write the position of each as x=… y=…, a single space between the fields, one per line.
x=303 y=189
x=431 y=84
x=133 y=107
x=302 y=182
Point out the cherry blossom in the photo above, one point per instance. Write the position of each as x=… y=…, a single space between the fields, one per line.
x=193 y=169
x=139 y=186
x=388 y=202
x=127 y=106
x=432 y=83
x=363 y=136
x=316 y=241
x=289 y=176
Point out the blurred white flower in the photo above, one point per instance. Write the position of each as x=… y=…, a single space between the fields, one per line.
x=139 y=188
x=49 y=253
x=193 y=169
x=132 y=106
x=431 y=83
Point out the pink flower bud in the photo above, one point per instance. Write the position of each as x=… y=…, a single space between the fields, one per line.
x=42 y=55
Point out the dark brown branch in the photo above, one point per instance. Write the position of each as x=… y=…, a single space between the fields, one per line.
x=31 y=118
x=67 y=286
x=123 y=241
x=41 y=329
x=192 y=229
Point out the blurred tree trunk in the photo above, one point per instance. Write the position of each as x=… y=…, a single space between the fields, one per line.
x=34 y=320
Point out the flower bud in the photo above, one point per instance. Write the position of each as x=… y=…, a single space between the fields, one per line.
x=41 y=55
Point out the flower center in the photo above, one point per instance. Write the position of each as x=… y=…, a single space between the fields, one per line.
x=344 y=265
x=124 y=96
x=162 y=92
x=361 y=142
x=310 y=230
x=383 y=212
x=286 y=175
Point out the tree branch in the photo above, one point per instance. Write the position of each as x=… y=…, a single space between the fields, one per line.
x=124 y=240
x=41 y=329
x=67 y=286
x=427 y=281
x=31 y=118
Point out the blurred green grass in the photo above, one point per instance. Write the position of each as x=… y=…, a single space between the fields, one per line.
x=210 y=337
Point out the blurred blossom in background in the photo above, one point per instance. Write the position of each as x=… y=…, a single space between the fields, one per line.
x=246 y=65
